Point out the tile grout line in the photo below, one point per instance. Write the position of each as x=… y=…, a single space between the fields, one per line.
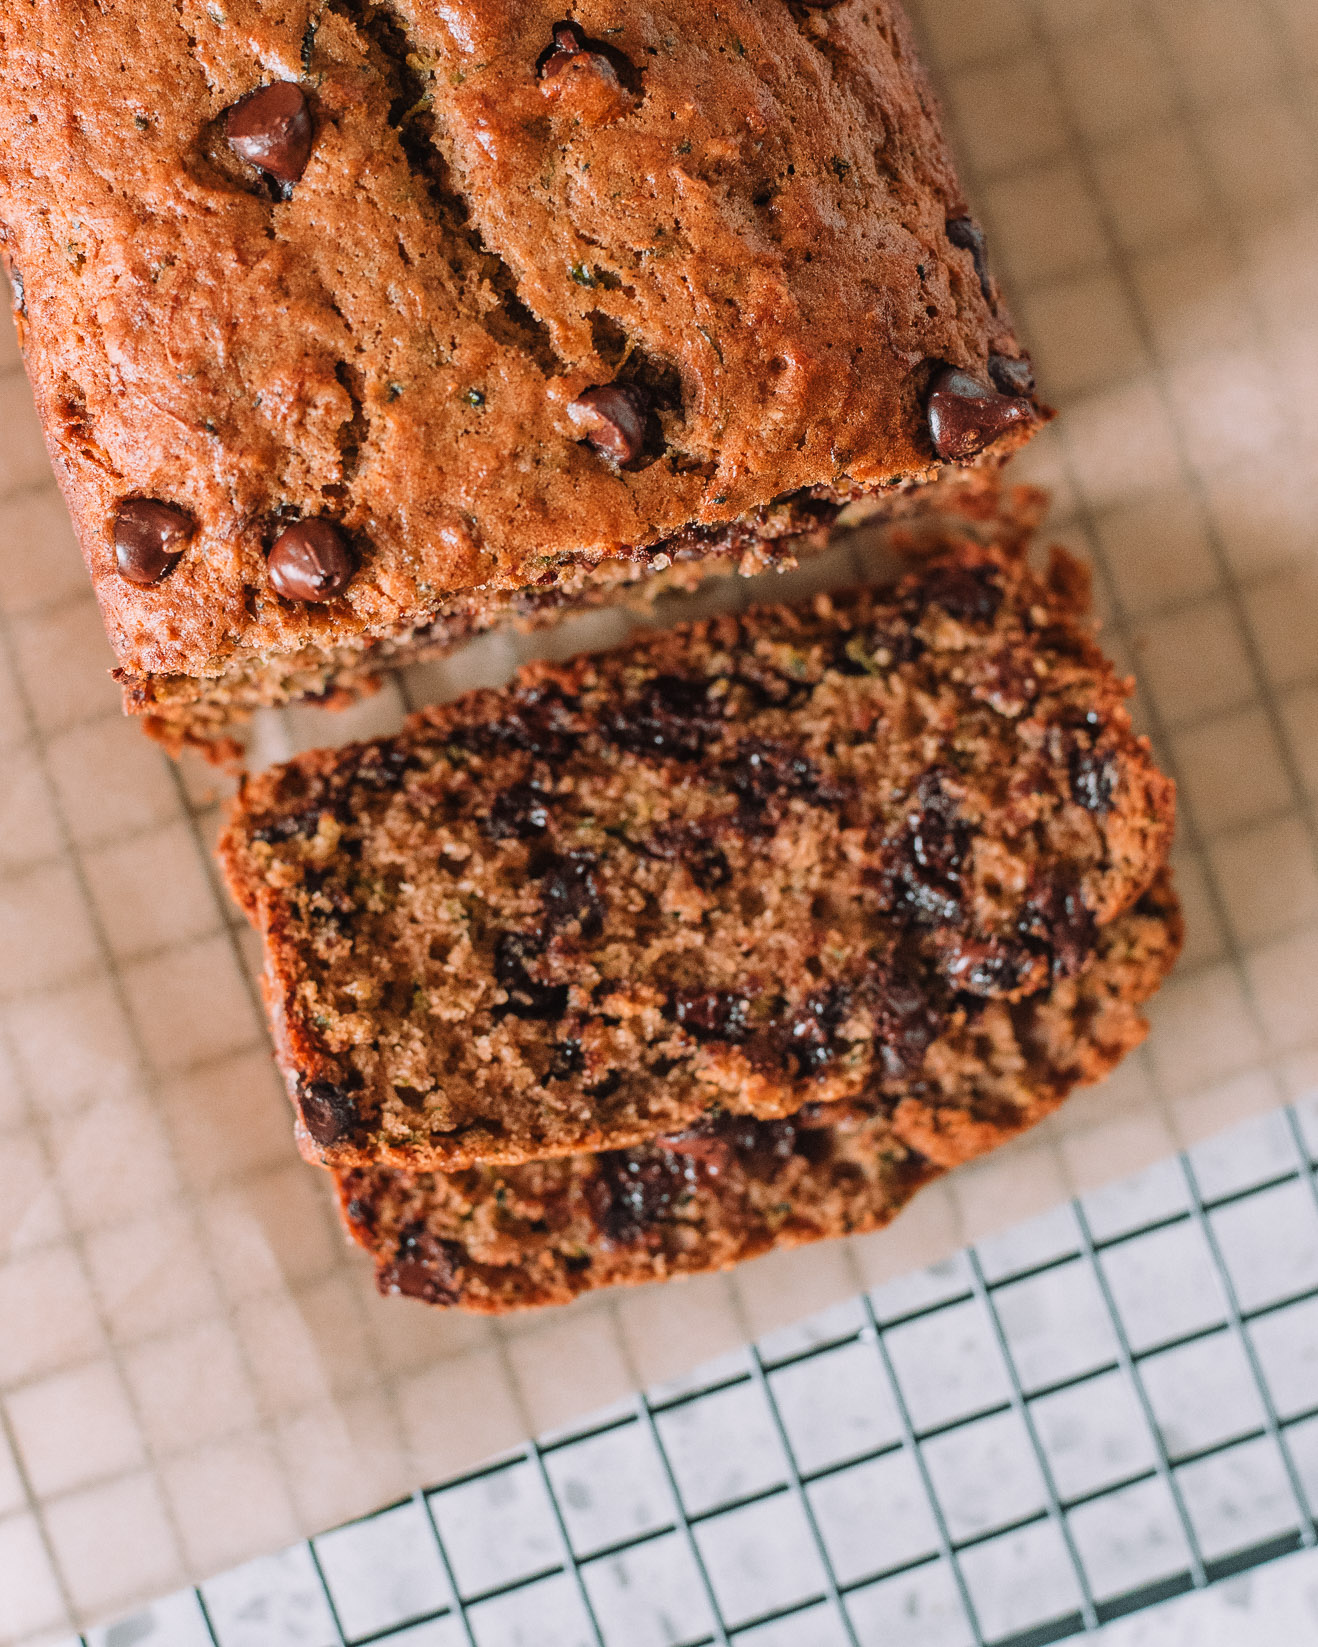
x=1020 y=1405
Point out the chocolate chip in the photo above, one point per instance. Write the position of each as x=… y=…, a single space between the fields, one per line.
x=765 y=769
x=574 y=892
x=993 y=967
x=1058 y=916
x=713 y=1014
x=970 y=594
x=518 y=813
x=1012 y=374
x=271 y=130
x=966 y=234
x=633 y=1190
x=611 y=419
x=812 y=1041
x=965 y=415
x=527 y=996
x=149 y=537
x=907 y=1022
x=1094 y=776
x=310 y=562
x=587 y=72
x=671 y=716
x=327 y=1110
x=424 y=1267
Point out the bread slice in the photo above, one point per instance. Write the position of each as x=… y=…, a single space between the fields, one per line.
x=754 y=863
x=500 y=1238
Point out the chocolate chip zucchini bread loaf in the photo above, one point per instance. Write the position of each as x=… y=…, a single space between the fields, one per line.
x=499 y=1238
x=358 y=324
x=750 y=864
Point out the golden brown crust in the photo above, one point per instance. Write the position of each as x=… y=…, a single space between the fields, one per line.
x=495 y=1239
x=752 y=225
x=750 y=864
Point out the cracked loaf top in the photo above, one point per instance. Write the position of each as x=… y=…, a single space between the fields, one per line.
x=335 y=308
x=757 y=862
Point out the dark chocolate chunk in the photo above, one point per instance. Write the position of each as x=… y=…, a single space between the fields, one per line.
x=713 y=1014
x=634 y=1190
x=310 y=561
x=518 y=813
x=1057 y=916
x=670 y=716
x=966 y=234
x=761 y=1147
x=907 y=1022
x=514 y=954
x=149 y=537
x=327 y=1110
x=811 y=1033
x=994 y=967
x=966 y=415
x=970 y=594
x=611 y=419
x=573 y=892
x=271 y=130
x=926 y=857
x=765 y=769
x=1094 y=775
x=1012 y=374
x=424 y=1267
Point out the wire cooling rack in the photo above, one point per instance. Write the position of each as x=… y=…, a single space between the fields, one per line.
x=1102 y=1409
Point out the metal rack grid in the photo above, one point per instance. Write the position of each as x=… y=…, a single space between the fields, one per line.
x=829 y=1484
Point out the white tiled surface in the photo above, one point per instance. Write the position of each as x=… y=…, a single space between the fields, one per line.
x=168 y=1270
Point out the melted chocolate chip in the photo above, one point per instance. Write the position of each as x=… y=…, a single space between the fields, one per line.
x=761 y=1148
x=360 y=1212
x=633 y=1190
x=612 y=420
x=424 y=1267
x=540 y=722
x=966 y=234
x=810 y=1035
x=527 y=997
x=1012 y=374
x=1057 y=916
x=518 y=813
x=907 y=1022
x=310 y=562
x=970 y=594
x=764 y=769
x=926 y=858
x=1094 y=777
x=572 y=892
x=993 y=967
x=713 y=1014
x=379 y=766
x=271 y=130
x=149 y=537
x=327 y=1110
x=966 y=415
x=691 y=845
x=670 y=716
